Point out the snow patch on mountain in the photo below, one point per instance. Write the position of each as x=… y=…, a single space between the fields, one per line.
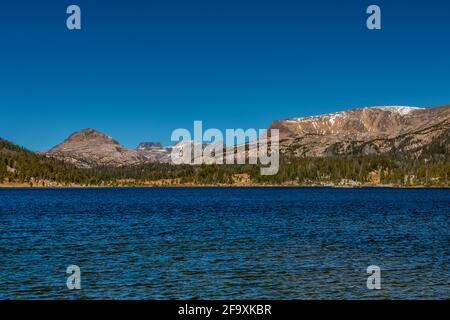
x=402 y=110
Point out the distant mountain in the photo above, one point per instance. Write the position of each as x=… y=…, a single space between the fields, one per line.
x=364 y=131
x=154 y=152
x=89 y=148
x=398 y=146
x=148 y=145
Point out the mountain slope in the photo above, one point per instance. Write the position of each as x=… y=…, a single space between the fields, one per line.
x=20 y=165
x=89 y=148
x=364 y=131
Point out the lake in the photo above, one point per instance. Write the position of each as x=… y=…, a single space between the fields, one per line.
x=224 y=243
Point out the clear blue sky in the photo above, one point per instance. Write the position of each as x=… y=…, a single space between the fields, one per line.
x=139 y=69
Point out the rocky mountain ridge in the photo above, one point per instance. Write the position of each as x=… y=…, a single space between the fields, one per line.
x=373 y=130
x=361 y=131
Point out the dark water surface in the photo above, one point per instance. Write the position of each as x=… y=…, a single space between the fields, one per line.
x=280 y=243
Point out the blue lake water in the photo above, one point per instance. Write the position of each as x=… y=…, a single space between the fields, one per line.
x=225 y=243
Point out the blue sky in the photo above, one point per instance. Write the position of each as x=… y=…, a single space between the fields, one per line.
x=140 y=69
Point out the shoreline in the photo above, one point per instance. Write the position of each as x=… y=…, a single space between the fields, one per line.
x=27 y=186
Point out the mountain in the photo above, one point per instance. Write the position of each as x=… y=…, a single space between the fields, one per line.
x=148 y=145
x=365 y=131
x=397 y=130
x=89 y=148
x=154 y=152
x=398 y=146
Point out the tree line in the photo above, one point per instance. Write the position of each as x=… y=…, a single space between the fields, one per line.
x=431 y=168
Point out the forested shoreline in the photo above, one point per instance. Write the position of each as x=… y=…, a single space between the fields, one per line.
x=19 y=166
